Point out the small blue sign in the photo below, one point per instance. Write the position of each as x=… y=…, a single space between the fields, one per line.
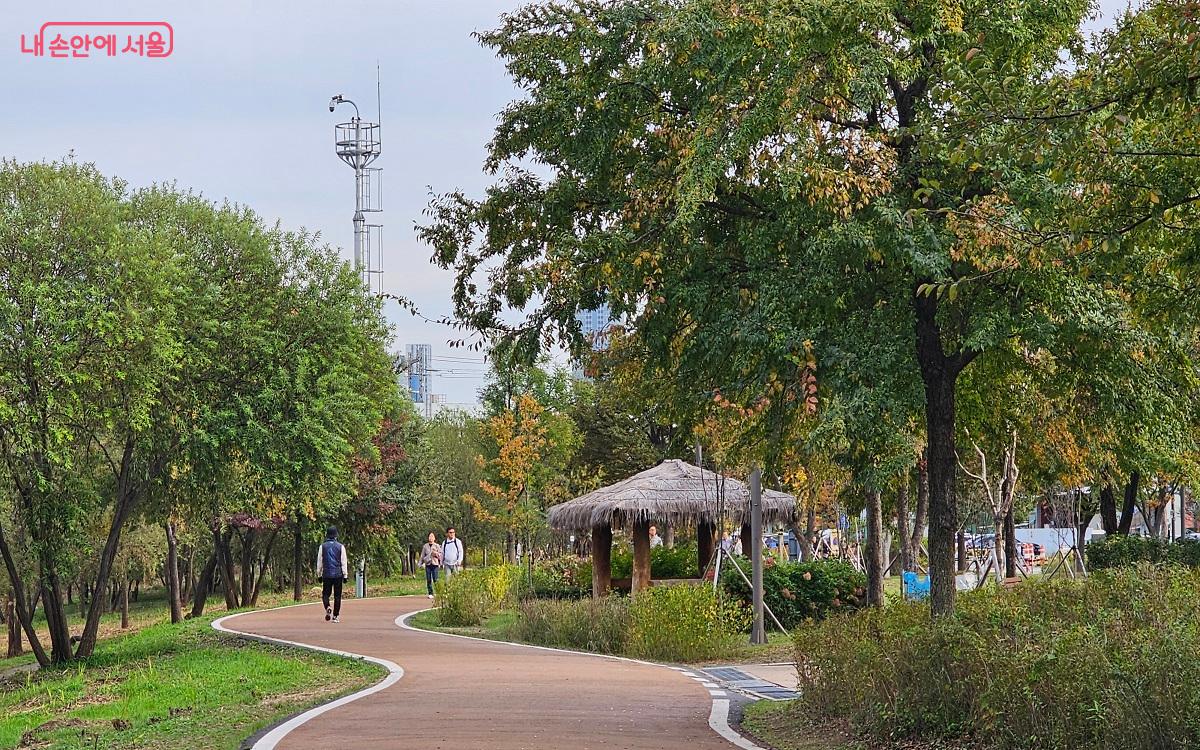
x=916 y=586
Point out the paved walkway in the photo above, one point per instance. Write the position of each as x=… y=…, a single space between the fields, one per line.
x=460 y=693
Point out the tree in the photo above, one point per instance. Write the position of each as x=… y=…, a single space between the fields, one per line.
x=734 y=178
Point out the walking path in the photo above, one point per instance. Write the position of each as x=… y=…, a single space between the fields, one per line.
x=452 y=692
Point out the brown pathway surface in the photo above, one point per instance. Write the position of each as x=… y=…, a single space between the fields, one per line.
x=465 y=694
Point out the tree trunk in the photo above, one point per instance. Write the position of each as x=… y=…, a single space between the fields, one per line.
x=510 y=547
x=641 y=556
x=943 y=507
x=1010 y=545
x=225 y=560
x=921 y=512
x=1129 y=503
x=127 y=496
x=297 y=554
x=247 y=564
x=998 y=546
x=204 y=584
x=601 y=560
x=1108 y=509
x=874 y=559
x=24 y=612
x=15 y=647
x=173 y=592
x=961 y=539
x=56 y=616
x=669 y=535
x=705 y=536
x=125 y=605
x=262 y=567
x=906 y=563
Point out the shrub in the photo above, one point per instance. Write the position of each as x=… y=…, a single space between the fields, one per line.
x=589 y=625
x=471 y=596
x=680 y=561
x=1063 y=664
x=1117 y=550
x=684 y=623
x=799 y=591
x=566 y=577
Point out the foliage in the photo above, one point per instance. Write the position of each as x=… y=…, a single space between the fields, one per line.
x=470 y=596
x=680 y=561
x=1065 y=664
x=1122 y=550
x=600 y=626
x=800 y=592
x=565 y=577
x=684 y=623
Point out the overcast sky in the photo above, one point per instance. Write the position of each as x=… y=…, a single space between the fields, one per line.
x=240 y=111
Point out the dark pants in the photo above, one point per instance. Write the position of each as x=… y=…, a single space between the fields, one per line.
x=334 y=585
x=431 y=576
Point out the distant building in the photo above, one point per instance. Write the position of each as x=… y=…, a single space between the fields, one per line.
x=420 y=358
x=595 y=325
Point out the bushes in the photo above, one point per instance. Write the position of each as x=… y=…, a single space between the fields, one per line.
x=566 y=577
x=684 y=623
x=680 y=561
x=798 y=591
x=1105 y=662
x=1117 y=550
x=601 y=625
x=471 y=596
x=669 y=623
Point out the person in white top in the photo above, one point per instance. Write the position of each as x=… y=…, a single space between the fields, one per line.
x=453 y=554
x=655 y=539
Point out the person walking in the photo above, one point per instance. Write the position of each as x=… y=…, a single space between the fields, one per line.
x=453 y=556
x=431 y=558
x=332 y=567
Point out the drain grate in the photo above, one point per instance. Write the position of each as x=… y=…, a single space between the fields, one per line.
x=736 y=679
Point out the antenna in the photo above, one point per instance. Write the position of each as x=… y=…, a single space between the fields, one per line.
x=357 y=143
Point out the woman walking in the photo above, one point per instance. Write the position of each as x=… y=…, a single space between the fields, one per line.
x=431 y=557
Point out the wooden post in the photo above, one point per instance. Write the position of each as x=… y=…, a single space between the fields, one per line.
x=641 y=556
x=748 y=539
x=758 y=633
x=704 y=543
x=601 y=560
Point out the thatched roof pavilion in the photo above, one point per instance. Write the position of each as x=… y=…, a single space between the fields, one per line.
x=674 y=492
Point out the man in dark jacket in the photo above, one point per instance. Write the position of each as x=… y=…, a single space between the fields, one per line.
x=332 y=567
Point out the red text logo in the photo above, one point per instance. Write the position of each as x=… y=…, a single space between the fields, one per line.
x=73 y=39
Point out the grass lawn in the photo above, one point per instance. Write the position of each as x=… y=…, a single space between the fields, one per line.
x=170 y=686
x=155 y=685
x=782 y=726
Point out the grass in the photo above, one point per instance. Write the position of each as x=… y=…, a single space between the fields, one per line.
x=171 y=686
x=782 y=726
x=151 y=609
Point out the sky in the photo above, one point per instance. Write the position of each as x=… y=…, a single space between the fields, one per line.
x=239 y=111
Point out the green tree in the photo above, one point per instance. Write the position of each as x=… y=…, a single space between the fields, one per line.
x=735 y=178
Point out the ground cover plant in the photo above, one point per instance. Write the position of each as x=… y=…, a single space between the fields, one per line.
x=1103 y=662
x=170 y=686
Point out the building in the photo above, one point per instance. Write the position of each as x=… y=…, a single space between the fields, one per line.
x=420 y=366
x=594 y=324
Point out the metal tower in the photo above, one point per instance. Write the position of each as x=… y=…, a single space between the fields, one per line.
x=357 y=144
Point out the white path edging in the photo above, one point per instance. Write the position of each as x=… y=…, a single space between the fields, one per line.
x=272 y=738
x=718 y=717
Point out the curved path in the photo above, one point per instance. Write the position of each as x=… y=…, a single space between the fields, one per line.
x=464 y=693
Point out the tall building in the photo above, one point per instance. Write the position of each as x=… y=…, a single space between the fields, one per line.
x=420 y=358
x=594 y=325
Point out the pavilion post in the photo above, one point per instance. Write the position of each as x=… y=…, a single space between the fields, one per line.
x=758 y=632
x=748 y=539
x=601 y=560
x=641 y=556
x=705 y=531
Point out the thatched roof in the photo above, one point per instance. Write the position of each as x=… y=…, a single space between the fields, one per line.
x=673 y=492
